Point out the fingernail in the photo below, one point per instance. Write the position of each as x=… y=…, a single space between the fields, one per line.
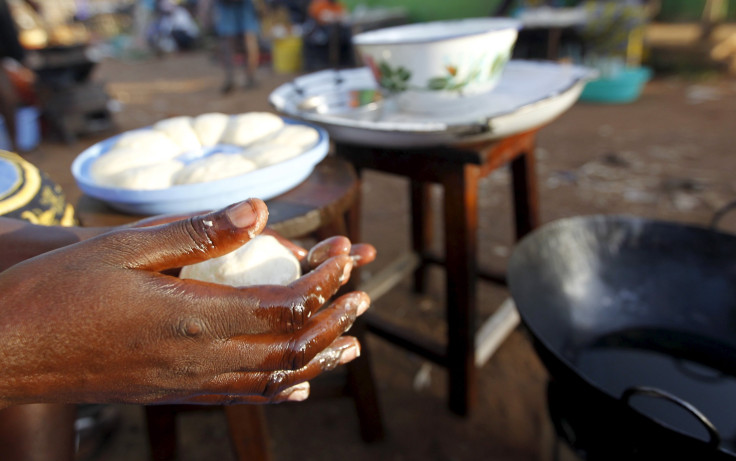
x=346 y=271
x=365 y=303
x=349 y=354
x=299 y=393
x=242 y=214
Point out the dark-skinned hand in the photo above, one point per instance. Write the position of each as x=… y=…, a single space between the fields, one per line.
x=102 y=321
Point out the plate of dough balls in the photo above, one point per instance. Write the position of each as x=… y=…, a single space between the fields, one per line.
x=188 y=164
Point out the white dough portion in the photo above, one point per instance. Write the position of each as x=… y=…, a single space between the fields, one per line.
x=121 y=159
x=150 y=142
x=147 y=177
x=261 y=261
x=294 y=135
x=264 y=155
x=245 y=129
x=180 y=130
x=214 y=167
x=210 y=127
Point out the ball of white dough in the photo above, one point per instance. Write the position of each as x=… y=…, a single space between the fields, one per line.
x=180 y=130
x=245 y=129
x=214 y=167
x=261 y=261
x=269 y=154
x=147 y=177
x=294 y=135
x=210 y=127
x=120 y=159
x=149 y=142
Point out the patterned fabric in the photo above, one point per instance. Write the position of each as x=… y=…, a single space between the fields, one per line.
x=29 y=194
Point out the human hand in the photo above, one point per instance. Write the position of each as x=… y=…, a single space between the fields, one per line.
x=98 y=321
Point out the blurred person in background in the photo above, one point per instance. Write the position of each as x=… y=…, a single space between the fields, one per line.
x=236 y=23
x=327 y=36
x=10 y=49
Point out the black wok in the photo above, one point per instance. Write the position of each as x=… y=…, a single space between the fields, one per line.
x=640 y=313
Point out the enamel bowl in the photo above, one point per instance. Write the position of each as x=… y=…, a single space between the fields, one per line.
x=440 y=65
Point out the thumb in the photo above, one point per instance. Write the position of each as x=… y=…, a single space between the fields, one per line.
x=191 y=240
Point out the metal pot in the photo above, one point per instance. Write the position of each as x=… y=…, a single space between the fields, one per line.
x=640 y=314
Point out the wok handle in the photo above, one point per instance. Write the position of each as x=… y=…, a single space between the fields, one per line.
x=715 y=437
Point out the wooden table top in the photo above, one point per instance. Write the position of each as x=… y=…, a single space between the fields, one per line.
x=326 y=194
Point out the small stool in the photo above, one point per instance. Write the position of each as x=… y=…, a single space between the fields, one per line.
x=322 y=206
x=458 y=170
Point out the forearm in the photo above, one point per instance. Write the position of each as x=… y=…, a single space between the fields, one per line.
x=20 y=240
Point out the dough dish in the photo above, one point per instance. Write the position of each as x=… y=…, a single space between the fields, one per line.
x=180 y=130
x=214 y=167
x=245 y=129
x=210 y=127
x=147 y=177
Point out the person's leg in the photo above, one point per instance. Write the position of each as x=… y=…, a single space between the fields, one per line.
x=252 y=58
x=227 y=50
x=38 y=432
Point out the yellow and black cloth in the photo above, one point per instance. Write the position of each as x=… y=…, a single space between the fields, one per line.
x=29 y=194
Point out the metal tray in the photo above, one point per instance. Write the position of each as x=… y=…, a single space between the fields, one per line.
x=350 y=106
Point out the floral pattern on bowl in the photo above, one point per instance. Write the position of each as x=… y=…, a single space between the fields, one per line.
x=397 y=79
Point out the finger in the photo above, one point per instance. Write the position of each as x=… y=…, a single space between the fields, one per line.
x=164 y=219
x=272 y=384
x=326 y=249
x=188 y=241
x=362 y=253
x=296 y=393
x=293 y=351
x=287 y=309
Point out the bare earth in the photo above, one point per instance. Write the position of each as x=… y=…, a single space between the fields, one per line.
x=669 y=155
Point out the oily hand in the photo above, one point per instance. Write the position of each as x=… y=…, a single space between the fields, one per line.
x=99 y=321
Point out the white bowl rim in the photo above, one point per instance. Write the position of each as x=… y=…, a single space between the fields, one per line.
x=447 y=29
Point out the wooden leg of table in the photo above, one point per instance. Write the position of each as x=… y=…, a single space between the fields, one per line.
x=461 y=224
x=161 y=425
x=248 y=432
x=525 y=193
x=421 y=229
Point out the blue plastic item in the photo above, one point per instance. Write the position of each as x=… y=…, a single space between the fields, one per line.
x=28 y=133
x=626 y=86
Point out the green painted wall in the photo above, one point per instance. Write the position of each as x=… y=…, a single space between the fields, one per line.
x=432 y=10
x=689 y=10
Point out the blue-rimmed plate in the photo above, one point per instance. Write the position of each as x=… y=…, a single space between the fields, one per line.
x=263 y=183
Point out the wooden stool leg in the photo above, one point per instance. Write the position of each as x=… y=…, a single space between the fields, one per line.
x=161 y=426
x=360 y=380
x=248 y=432
x=421 y=230
x=525 y=192
x=361 y=385
x=461 y=224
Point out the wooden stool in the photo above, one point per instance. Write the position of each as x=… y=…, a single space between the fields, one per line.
x=458 y=170
x=322 y=206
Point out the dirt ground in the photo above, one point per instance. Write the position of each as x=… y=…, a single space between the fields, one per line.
x=669 y=155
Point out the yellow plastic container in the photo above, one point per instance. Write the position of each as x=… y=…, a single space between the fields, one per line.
x=286 y=54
